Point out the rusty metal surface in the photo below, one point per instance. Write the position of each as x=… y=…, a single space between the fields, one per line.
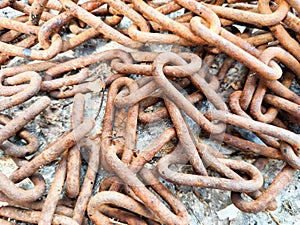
x=145 y=88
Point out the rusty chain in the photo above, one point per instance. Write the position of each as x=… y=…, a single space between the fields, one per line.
x=147 y=87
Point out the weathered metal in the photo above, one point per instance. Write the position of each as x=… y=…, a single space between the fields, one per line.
x=169 y=85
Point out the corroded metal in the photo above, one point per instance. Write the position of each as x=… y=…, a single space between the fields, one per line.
x=169 y=86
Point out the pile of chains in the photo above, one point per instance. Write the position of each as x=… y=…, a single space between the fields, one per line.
x=266 y=105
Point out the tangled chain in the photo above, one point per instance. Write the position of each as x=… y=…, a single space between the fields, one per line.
x=266 y=105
